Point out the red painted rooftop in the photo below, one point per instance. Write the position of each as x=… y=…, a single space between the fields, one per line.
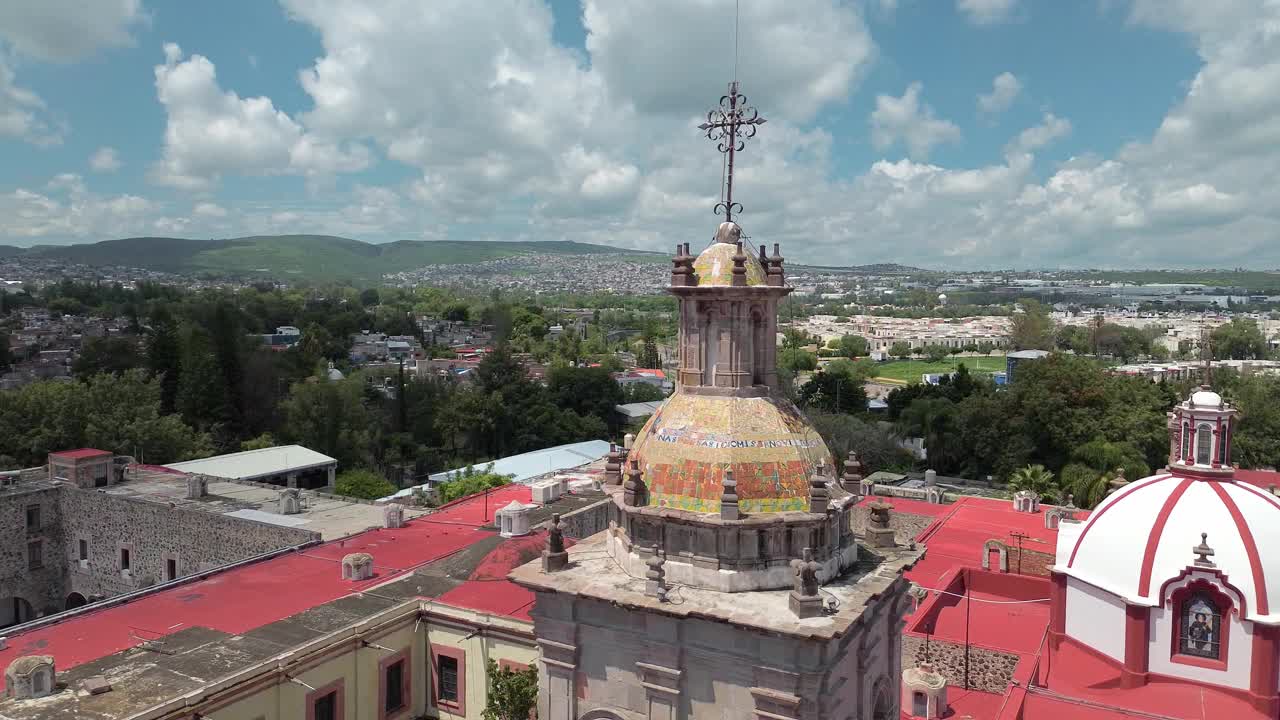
x=241 y=599
x=1010 y=613
x=81 y=453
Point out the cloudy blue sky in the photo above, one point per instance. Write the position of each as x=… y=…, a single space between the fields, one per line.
x=965 y=133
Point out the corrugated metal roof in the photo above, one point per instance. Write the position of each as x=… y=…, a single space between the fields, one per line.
x=638 y=409
x=531 y=464
x=256 y=463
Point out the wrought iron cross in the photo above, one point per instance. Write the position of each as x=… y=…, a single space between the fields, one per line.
x=730 y=126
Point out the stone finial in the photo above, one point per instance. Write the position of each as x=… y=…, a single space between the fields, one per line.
x=290 y=501
x=30 y=676
x=1117 y=481
x=804 y=600
x=775 y=275
x=930 y=477
x=852 y=477
x=197 y=486
x=679 y=273
x=739 y=267
x=393 y=515
x=1203 y=552
x=1071 y=502
x=357 y=566
x=879 y=528
x=729 y=497
x=655 y=577
x=819 y=495
x=628 y=440
x=613 y=466
x=555 y=557
x=633 y=489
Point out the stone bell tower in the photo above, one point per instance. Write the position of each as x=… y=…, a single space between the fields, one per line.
x=729 y=582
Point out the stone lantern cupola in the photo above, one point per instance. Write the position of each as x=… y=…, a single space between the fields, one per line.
x=1200 y=434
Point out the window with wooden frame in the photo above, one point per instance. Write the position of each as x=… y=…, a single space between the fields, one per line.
x=449 y=678
x=395 y=686
x=327 y=702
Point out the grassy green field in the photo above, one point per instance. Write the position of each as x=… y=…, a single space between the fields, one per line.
x=909 y=371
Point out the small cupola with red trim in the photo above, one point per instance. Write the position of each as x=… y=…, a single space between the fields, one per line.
x=1200 y=433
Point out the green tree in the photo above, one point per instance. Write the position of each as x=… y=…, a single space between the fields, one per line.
x=586 y=391
x=1093 y=464
x=202 y=392
x=1032 y=328
x=642 y=392
x=901 y=350
x=331 y=418
x=850 y=346
x=648 y=356
x=363 y=483
x=1255 y=443
x=471 y=481
x=511 y=694
x=1037 y=479
x=261 y=442
x=932 y=419
x=1239 y=339
x=164 y=357
x=877 y=449
x=113 y=355
x=6 y=355
x=837 y=392
x=794 y=360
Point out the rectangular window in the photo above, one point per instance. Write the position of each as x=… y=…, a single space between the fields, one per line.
x=325 y=707
x=35 y=555
x=448 y=669
x=326 y=703
x=33 y=518
x=393 y=695
x=124 y=558
x=449 y=678
x=170 y=569
x=84 y=550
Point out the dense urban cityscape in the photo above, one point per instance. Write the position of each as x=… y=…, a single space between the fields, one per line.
x=426 y=368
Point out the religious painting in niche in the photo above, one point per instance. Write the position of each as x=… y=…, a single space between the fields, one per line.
x=1200 y=628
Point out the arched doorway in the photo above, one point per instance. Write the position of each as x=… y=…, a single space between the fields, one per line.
x=75 y=600
x=15 y=610
x=882 y=704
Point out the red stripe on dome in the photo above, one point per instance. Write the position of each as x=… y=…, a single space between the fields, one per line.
x=1093 y=517
x=1250 y=549
x=1272 y=500
x=1153 y=538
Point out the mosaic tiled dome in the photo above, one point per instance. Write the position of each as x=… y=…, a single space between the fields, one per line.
x=714 y=266
x=688 y=443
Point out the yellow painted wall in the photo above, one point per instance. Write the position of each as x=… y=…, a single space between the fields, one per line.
x=358 y=667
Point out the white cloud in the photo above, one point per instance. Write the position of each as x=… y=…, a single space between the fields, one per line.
x=1004 y=90
x=913 y=122
x=105 y=159
x=660 y=55
x=209 y=210
x=211 y=131
x=1033 y=138
x=66 y=209
x=66 y=30
x=986 y=12
x=22 y=112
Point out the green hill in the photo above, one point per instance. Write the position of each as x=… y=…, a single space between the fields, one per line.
x=312 y=257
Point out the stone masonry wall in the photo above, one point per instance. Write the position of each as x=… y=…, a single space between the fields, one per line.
x=45 y=587
x=587 y=521
x=989 y=670
x=905 y=525
x=153 y=534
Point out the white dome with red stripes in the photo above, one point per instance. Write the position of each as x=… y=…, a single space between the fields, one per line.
x=1143 y=535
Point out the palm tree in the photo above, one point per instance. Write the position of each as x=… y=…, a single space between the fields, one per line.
x=1037 y=479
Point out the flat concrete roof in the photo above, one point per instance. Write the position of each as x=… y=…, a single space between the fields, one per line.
x=252 y=464
x=331 y=517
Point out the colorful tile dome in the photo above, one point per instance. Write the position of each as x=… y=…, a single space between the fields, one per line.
x=692 y=439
